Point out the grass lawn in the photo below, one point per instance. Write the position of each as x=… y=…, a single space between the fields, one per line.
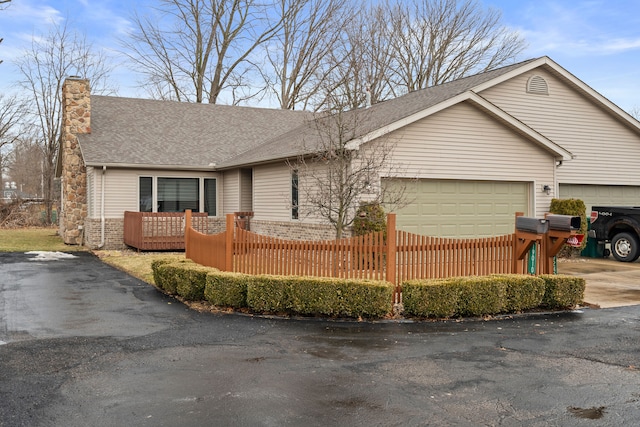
x=34 y=239
x=137 y=264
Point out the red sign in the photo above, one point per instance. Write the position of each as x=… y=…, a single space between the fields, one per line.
x=575 y=240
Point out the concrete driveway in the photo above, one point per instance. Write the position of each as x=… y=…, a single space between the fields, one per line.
x=84 y=344
x=609 y=283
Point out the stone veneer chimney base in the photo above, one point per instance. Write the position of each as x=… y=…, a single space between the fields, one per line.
x=76 y=116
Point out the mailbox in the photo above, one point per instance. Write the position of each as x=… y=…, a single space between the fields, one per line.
x=563 y=222
x=532 y=225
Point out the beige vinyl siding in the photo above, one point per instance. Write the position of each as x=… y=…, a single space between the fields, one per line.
x=606 y=150
x=602 y=195
x=121 y=191
x=91 y=203
x=231 y=192
x=272 y=192
x=122 y=188
x=464 y=143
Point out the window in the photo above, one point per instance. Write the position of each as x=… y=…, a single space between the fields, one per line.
x=210 y=196
x=295 y=199
x=146 y=194
x=178 y=194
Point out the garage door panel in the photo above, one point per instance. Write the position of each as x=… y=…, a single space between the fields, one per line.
x=461 y=208
x=467 y=209
x=594 y=195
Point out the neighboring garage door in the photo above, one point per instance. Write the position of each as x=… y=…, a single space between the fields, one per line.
x=448 y=208
x=603 y=195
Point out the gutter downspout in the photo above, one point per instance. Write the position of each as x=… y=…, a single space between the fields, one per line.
x=102 y=220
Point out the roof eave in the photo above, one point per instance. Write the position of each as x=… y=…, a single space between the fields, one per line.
x=150 y=166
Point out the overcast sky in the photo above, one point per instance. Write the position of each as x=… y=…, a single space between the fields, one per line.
x=598 y=40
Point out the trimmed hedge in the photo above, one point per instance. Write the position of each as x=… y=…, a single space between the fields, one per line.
x=562 y=291
x=478 y=296
x=191 y=281
x=227 y=289
x=320 y=296
x=165 y=273
x=430 y=298
x=523 y=292
x=440 y=298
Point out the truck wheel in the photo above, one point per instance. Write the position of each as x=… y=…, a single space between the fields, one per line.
x=624 y=247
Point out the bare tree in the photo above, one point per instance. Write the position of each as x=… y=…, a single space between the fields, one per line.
x=44 y=66
x=297 y=57
x=361 y=62
x=635 y=112
x=435 y=41
x=3 y=4
x=25 y=164
x=195 y=49
x=12 y=111
x=340 y=174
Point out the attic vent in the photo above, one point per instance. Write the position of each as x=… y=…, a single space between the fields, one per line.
x=537 y=85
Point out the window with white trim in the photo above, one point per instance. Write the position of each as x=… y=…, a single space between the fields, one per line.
x=169 y=194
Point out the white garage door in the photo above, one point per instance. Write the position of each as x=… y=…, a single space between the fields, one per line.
x=601 y=195
x=463 y=209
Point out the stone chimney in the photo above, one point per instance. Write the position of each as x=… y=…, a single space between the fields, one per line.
x=76 y=120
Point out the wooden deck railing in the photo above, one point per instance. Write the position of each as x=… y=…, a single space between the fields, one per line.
x=150 y=231
x=414 y=256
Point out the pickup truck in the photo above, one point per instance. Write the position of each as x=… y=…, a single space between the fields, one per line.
x=620 y=226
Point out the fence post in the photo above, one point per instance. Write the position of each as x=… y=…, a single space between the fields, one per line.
x=187 y=231
x=228 y=258
x=391 y=254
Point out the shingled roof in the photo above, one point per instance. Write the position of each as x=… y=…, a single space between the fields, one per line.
x=140 y=132
x=306 y=138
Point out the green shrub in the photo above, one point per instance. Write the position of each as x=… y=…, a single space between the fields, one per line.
x=366 y=298
x=267 y=294
x=191 y=281
x=227 y=289
x=562 y=291
x=523 y=292
x=573 y=207
x=471 y=296
x=370 y=217
x=319 y=296
x=480 y=296
x=166 y=274
x=339 y=297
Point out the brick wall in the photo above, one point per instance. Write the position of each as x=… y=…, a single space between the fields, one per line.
x=294 y=230
x=114 y=232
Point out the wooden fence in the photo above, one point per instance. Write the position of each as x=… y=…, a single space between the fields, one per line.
x=160 y=230
x=362 y=257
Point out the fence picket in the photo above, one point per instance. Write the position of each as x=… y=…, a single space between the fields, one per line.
x=416 y=257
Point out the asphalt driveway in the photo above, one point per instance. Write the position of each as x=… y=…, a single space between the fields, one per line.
x=85 y=344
